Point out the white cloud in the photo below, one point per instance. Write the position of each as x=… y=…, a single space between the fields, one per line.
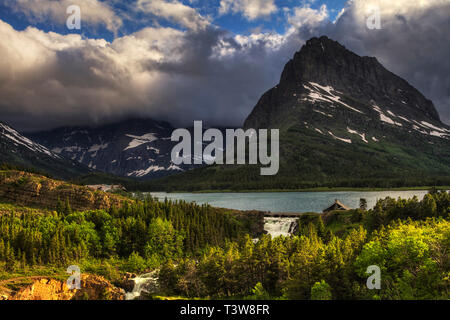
x=272 y=41
x=174 y=11
x=339 y=15
x=307 y=17
x=238 y=45
x=250 y=9
x=362 y=8
x=93 y=12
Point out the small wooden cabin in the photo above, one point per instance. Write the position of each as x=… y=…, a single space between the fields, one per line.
x=336 y=206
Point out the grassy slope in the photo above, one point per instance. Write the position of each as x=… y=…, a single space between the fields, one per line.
x=309 y=160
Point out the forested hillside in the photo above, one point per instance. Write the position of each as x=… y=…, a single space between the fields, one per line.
x=408 y=239
x=204 y=252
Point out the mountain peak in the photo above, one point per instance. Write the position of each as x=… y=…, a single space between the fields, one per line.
x=343 y=115
x=323 y=43
x=327 y=63
x=326 y=47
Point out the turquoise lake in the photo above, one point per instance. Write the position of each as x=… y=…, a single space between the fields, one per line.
x=287 y=201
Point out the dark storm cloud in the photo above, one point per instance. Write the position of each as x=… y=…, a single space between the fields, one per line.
x=414 y=43
x=161 y=73
x=49 y=80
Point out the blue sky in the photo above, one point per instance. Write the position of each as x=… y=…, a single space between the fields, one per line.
x=133 y=20
x=276 y=22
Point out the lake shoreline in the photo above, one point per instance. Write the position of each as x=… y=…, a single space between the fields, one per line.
x=292 y=202
x=319 y=189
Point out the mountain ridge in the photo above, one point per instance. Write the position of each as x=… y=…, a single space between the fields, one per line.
x=341 y=117
x=133 y=148
x=16 y=149
x=344 y=120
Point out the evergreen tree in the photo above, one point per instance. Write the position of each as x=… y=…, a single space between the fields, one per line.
x=363 y=204
x=67 y=208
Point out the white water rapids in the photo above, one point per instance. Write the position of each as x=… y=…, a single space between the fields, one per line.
x=141 y=284
x=280 y=226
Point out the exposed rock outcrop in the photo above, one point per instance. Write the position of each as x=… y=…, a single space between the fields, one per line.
x=93 y=287
x=33 y=190
x=128 y=282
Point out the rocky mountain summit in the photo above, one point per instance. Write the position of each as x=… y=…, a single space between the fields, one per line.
x=340 y=115
x=343 y=120
x=327 y=79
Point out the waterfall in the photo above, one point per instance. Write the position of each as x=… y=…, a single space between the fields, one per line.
x=280 y=226
x=142 y=283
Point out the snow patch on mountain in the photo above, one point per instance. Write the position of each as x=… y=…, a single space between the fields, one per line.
x=156 y=150
x=144 y=172
x=19 y=139
x=174 y=167
x=153 y=168
x=70 y=149
x=362 y=135
x=427 y=128
x=404 y=119
x=385 y=118
x=140 y=140
x=318 y=130
x=341 y=139
x=423 y=127
x=438 y=134
x=97 y=147
x=316 y=94
x=429 y=125
x=323 y=113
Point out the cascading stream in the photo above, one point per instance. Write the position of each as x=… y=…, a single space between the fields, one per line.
x=142 y=284
x=279 y=226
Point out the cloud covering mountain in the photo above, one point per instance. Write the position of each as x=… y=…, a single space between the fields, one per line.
x=188 y=67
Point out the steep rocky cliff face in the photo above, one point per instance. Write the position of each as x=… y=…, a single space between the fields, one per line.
x=327 y=76
x=28 y=189
x=344 y=120
x=92 y=288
